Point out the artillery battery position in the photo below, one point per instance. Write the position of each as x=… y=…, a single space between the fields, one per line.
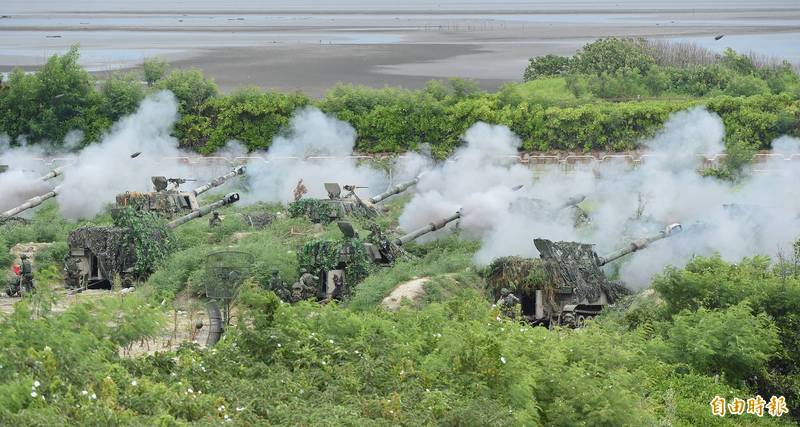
x=170 y=201
x=566 y=285
x=101 y=252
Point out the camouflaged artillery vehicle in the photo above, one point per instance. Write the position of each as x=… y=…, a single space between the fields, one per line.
x=338 y=265
x=168 y=200
x=338 y=206
x=100 y=253
x=566 y=285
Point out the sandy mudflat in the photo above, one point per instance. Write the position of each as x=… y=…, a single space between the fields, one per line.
x=313 y=44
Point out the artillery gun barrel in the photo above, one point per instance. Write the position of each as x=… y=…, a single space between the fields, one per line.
x=639 y=244
x=433 y=226
x=53 y=173
x=227 y=200
x=216 y=182
x=30 y=203
x=399 y=188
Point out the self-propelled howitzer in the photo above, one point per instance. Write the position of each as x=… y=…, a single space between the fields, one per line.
x=565 y=285
x=100 y=253
x=169 y=202
x=340 y=264
x=338 y=205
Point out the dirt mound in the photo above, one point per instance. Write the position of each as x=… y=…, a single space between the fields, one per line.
x=412 y=290
x=28 y=248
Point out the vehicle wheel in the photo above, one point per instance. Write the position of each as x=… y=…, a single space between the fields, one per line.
x=581 y=321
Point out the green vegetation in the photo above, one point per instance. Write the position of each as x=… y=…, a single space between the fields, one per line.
x=607 y=97
x=710 y=329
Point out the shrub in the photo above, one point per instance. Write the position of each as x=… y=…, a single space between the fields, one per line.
x=546 y=66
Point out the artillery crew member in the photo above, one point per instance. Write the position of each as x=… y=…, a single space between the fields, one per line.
x=27 y=274
x=72 y=274
x=277 y=285
x=215 y=220
x=305 y=287
x=508 y=303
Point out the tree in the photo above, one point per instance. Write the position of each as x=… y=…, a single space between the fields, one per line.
x=191 y=88
x=60 y=97
x=611 y=54
x=546 y=66
x=154 y=70
x=121 y=96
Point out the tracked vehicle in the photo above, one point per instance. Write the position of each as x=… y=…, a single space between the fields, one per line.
x=168 y=200
x=566 y=285
x=341 y=264
x=100 y=253
x=338 y=206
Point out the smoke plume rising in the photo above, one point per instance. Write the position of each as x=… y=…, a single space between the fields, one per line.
x=755 y=216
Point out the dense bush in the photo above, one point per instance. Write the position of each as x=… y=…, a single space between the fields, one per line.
x=546 y=66
x=46 y=105
x=631 y=68
x=757 y=104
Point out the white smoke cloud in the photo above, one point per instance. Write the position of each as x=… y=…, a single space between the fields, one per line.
x=324 y=143
x=26 y=163
x=101 y=171
x=757 y=216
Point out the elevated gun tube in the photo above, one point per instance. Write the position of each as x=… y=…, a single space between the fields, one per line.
x=397 y=189
x=30 y=203
x=433 y=226
x=227 y=200
x=52 y=174
x=639 y=244
x=216 y=182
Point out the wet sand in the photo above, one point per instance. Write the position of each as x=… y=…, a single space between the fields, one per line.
x=311 y=49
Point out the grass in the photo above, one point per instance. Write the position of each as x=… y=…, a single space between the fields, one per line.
x=547 y=91
x=444 y=256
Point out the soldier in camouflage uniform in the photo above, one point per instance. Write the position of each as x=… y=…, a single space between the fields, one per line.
x=305 y=287
x=72 y=275
x=277 y=285
x=27 y=274
x=508 y=303
x=215 y=220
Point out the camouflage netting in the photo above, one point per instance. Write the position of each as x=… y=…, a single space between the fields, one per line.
x=516 y=274
x=315 y=210
x=104 y=242
x=324 y=255
x=576 y=265
x=325 y=211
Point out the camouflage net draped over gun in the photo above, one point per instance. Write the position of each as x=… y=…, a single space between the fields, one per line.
x=146 y=239
x=315 y=210
x=515 y=273
x=325 y=255
x=105 y=243
x=576 y=265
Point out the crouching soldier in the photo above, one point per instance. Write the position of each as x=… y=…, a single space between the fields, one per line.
x=508 y=304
